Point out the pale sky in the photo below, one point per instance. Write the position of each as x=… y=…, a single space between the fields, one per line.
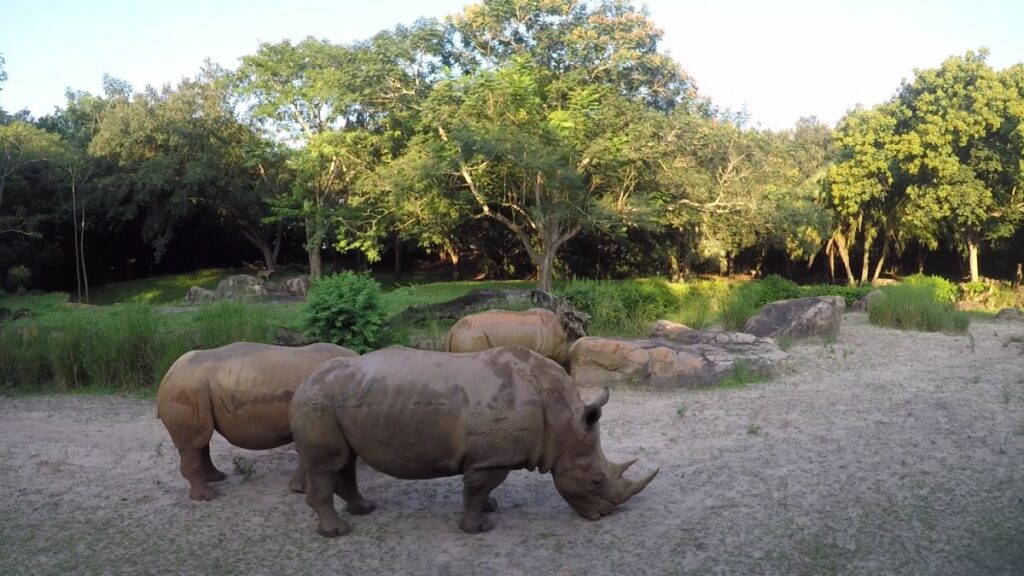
x=778 y=59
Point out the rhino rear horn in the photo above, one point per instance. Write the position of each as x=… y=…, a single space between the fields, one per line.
x=592 y=411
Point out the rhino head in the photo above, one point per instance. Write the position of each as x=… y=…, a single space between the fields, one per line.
x=585 y=478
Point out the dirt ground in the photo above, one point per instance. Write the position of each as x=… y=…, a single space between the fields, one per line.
x=883 y=452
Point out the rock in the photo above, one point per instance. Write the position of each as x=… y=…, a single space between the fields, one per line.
x=8 y=314
x=241 y=286
x=969 y=306
x=197 y=294
x=436 y=344
x=1010 y=315
x=863 y=304
x=286 y=337
x=297 y=286
x=666 y=329
x=665 y=364
x=799 y=318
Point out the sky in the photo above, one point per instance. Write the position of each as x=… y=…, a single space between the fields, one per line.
x=779 y=60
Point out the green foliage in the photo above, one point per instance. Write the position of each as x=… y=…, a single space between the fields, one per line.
x=397 y=300
x=224 y=322
x=916 y=307
x=345 y=309
x=749 y=297
x=18 y=280
x=624 y=308
x=941 y=289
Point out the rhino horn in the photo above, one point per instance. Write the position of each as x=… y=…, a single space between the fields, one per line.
x=619 y=469
x=629 y=488
x=599 y=401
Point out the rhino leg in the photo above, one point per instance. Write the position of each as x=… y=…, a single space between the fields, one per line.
x=210 y=471
x=297 y=483
x=476 y=498
x=320 y=497
x=348 y=489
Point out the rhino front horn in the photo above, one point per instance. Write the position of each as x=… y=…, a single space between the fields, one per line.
x=630 y=488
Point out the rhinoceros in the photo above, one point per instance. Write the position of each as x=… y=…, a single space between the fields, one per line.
x=537 y=329
x=242 y=390
x=415 y=414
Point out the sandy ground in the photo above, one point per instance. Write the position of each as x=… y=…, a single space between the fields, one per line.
x=883 y=452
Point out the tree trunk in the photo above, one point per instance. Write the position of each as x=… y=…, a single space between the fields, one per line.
x=545 y=270
x=881 y=259
x=313 y=249
x=398 y=258
x=453 y=256
x=865 y=266
x=972 y=257
x=921 y=255
x=277 y=240
x=844 y=256
x=81 y=253
x=74 y=227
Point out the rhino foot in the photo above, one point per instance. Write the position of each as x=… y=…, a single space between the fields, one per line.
x=330 y=531
x=490 y=505
x=471 y=525
x=360 y=508
x=214 y=475
x=202 y=493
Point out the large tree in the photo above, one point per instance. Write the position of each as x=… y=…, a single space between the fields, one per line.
x=546 y=114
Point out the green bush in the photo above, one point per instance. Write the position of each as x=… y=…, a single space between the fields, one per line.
x=18 y=279
x=942 y=289
x=624 y=308
x=345 y=309
x=916 y=307
x=850 y=293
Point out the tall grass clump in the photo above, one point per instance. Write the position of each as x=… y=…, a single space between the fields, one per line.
x=345 y=309
x=916 y=307
x=227 y=321
x=24 y=361
x=120 y=348
x=623 y=308
x=66 y=342
x=941 y=289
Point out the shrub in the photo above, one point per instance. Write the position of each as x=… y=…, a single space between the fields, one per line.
x=345 y=309
x=622 y=307
x=916 y=307
x=18 y=279
x=942 y=289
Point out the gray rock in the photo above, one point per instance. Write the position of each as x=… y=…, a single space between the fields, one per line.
x=661 y=363
x=297 y=286
x=1010 y=315
x=863 y=304
x=285 y=337
x=666 y=329
x=241 y=286
x=197 y=294
x=799 y=318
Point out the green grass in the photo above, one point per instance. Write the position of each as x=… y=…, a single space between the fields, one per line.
x=916 y=307
x=402 y=297
x=166 y=289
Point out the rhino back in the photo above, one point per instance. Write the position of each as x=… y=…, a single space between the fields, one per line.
x=418 y=414
x=251 y=386
x=537 y=329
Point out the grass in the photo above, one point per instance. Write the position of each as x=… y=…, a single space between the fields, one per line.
x=741 y=375
x=402 y=297
x=916 y=307
x=166 y=289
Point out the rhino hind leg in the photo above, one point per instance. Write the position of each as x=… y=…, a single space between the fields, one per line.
x=320 y=497
x=210 y=472
x=348 y=489
x=476 y=498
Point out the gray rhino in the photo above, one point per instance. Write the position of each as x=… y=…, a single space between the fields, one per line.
x=415 y=414
x=537 y=329
x=242 y=390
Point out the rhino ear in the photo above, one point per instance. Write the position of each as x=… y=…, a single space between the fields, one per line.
x=592 y=411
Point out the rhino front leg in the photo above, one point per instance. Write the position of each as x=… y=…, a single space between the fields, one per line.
x=348 y=489
x=476 y=498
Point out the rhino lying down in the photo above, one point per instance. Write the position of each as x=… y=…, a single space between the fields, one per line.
x=537 y=329
x=242 y=390
x=415 y=414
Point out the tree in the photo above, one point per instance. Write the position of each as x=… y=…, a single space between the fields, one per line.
x=21 y=145
x=540 y=121
x=960 y=145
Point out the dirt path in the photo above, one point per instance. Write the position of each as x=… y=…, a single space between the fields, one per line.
x=884 y=452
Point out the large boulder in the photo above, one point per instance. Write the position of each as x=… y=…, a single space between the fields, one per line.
x=667 y=329
x=241 y=286
x=864 y=303
x=704 y=360
x=799 y=318
x=1010 y=314
x=297 y=286
x=197 y=294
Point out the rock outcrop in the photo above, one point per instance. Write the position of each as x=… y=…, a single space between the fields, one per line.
x=799 y=318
